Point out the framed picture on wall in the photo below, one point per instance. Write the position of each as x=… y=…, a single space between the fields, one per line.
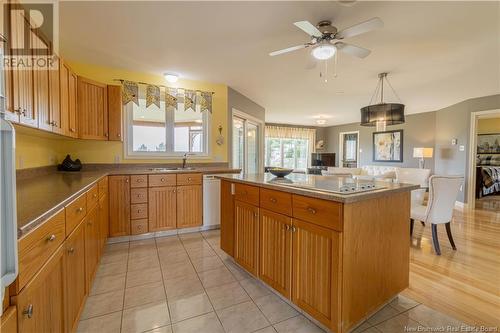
x=388 y=146
x=488 y=143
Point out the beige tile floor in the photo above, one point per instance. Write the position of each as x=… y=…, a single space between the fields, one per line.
x=186 y=283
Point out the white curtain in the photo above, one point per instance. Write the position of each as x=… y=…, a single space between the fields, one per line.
x=293 y=133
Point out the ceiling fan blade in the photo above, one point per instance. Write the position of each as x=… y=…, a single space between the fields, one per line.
x=360 y=28
x=353 y=50
x=290 y=49
x=308 y=28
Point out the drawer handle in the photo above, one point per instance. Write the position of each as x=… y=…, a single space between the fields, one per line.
x=140 y=180
x=51 y=238
x=190 y=179
x=163 y=179
x=29 y=311
x=311 y=210
x=273 y=200
x=79 y=210
x=138 y=211
x=71 y=250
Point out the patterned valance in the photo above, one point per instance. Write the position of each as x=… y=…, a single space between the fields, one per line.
x=178 y=98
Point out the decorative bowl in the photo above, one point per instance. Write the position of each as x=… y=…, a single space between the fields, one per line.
x=280 y=172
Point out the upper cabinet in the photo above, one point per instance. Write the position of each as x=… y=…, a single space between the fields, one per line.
x=92 y=109
x=115 y=113
x=68 y=92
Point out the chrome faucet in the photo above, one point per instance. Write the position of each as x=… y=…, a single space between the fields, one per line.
x=184 y=159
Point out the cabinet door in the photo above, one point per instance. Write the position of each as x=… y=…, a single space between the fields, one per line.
x=41 y=93
x=119 y=205
x=103 y=220
x=64 y=92
x=56 y=118
x=72 y=115
x=92 y=244
x=41 y=303
x=92 y=109
x=275 y=251
x=227 y=218
x=162 y=208
x=74 y=268
x=115 y=113
x=315 y=270
x=189 y=206
x=246 y=247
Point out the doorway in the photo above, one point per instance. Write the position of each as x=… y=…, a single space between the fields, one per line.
x=247 y=143
x=484 y=161
x=349 y=149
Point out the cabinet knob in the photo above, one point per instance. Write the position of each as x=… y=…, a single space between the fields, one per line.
x=294 y=229
x=28 y=311
x=273 y=200
x=80 y=209
x=94 y=196
x=51 y=238
x=126 y=180
x=311 y=210
x=190 y=179
x=255 y=214
x=72 y=130
x=119 y=135
x=106 y=134
x=163 y=179
x=71 y=250
x=287 y=227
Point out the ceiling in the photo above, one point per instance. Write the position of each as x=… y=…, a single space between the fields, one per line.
x=436 y=53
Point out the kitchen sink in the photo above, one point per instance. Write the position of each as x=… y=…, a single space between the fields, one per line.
x=170 y=169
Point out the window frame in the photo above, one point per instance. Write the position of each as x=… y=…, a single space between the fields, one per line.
x=282 y=152
x=129 y=152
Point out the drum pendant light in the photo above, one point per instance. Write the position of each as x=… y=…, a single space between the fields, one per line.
x=382 y=114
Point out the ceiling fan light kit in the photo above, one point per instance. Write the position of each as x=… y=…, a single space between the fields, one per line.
x=382 y=114
x=324 y=51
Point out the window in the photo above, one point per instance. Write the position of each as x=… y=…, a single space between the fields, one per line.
x=287 y=153
x=163 y=132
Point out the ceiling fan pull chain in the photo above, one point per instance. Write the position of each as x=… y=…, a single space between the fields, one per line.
x=335 y=67
x=326 y=71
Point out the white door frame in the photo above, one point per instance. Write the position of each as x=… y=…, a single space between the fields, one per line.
x=471 y=163
x=260 y=137
x=341 y=147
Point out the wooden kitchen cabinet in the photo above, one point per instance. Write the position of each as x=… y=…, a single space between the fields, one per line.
x=115 y=124
x=41 y=93
x=226 y=218
x=119 y=205
x=92 y=245
x=75 y=279
x=246 y=248
x=92 y=109
x=316 y=255
x=275 y=251
x=57 y=119
x=103 y=221
x=41 y=303
x=68 y=85
x=162 y=208
x=189 y=206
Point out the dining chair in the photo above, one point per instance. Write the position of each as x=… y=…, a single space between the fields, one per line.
x=443 y=191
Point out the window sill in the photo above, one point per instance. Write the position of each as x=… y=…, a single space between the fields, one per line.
x=167 y=157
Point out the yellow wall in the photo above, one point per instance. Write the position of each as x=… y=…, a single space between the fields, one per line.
x=36 y=148
x=491 y=125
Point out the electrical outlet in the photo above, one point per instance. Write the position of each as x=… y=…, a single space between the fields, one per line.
x=117 y=158
x=461 y=148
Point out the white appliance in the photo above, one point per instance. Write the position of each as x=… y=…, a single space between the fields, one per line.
x=211 y=201
x=8 y=214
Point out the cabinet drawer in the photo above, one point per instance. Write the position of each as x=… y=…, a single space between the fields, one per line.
x=139 y=226
x=276 y=201
x=139 y=195
x=103 y=186
x=139 y=181
x=189 y=179
x=75 y=212
x=162 y=180
x=321 y=212
x=92 y=197
x=39 y=245
x=139 y=211
x=246 y=193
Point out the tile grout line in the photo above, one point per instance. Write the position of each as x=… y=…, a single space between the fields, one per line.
x=202 y=285
x=163 y=283
x=123 y=300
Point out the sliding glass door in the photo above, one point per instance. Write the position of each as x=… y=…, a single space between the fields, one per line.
x=247 y=143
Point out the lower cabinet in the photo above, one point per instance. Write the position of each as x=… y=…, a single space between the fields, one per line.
x=75 y=280
x=41 y=302
x=246 y=219
x=92 y=245
x=315 y=270
x=226 y=217
x=119 y=205
x=103 y=221
x=162 y=208
x=189 y=206
x=275 y=251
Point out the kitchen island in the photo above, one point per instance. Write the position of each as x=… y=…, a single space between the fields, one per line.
x=334 y=247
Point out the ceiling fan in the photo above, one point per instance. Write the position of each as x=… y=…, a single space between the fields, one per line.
x=326 y=39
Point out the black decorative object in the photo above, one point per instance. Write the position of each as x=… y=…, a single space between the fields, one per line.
x=69 y=165
x=382 y=114
x=280 y=172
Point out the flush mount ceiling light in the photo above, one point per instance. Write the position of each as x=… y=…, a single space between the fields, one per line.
x=171 y=77
x=321 y=121
x=382 y=114
x=324 y=51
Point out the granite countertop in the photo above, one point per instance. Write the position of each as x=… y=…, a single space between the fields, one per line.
x=319 y=186
x=39 y=196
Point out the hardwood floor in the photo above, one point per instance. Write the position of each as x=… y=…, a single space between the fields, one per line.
x=464 y=283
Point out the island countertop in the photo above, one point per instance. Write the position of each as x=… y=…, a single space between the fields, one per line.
x=320 y=187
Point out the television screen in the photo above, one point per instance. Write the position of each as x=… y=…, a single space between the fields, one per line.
x=323 y=159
